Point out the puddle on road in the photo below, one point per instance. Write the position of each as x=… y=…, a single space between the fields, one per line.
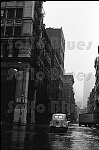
x=76 y=138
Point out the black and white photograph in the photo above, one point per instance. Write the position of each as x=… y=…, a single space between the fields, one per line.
x=49 y=75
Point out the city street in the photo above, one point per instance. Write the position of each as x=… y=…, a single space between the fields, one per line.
x=49 y=75
x=75 y=138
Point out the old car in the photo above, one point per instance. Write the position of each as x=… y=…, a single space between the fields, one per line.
x=58 y=121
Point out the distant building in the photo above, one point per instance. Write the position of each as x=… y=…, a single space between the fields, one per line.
x=68 y=97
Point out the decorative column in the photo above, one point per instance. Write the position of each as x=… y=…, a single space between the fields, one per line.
x=20 y=112
x=10 y=47
x=33 y=107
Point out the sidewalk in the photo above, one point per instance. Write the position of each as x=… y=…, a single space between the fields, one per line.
x=24 y=127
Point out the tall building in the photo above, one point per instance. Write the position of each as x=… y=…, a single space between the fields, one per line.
x=93 y=99
x=97 y=83
x=89 y=81
x=26 y=53
x=56 y=37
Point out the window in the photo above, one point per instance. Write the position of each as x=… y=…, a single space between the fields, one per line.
x=17 y=31
x=2 y=31
x=9 y=31
x=2 y=14
x=60 y=117
x=19 y=13
x=56 y=116
x=10 y=13
x=16 y=49
x=5 y=49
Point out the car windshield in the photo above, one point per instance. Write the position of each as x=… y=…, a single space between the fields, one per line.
x=58 y=117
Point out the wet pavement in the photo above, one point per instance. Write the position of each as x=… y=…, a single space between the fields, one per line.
x=75 y=138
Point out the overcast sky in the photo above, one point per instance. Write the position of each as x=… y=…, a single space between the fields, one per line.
x=80 y=23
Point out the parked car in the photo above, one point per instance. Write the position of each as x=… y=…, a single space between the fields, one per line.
x=58 y=121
